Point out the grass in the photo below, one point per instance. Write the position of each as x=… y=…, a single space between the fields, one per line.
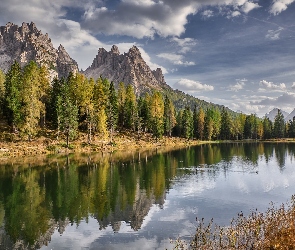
x=274 y=229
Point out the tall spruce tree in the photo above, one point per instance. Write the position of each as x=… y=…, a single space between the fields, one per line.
x=199 y=124
x=226 y=125
x=2 y=92
x=130 y=108
x=169 y=116
x=187 y=120
x=12 y=100
x=279 y=125
x=67 y=113
x=112 y=110
x=121 y=104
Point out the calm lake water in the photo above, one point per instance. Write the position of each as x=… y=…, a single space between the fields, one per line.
x=141 y=201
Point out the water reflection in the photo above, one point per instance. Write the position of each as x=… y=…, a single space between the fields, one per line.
x=38 y=200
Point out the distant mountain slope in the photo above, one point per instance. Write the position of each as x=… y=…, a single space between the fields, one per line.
x=290 y=116
x=26 y=43
x=131 y=68
x=272 y=114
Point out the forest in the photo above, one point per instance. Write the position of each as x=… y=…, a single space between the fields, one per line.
x=30 y=103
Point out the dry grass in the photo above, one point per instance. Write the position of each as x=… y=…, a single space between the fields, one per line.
x=274 y=229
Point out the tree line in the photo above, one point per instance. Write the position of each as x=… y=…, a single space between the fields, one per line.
x=30 y=102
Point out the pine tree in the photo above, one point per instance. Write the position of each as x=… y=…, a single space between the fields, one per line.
x=67 y=113
x=130 y=108
x=121 y=104
x=187 y=121
x=112 y=110
x=267 y=128
x=12 y=98
x=226 y=125
x=2 y=92
x=144 y=111
x=279 y=125
x=169 y=116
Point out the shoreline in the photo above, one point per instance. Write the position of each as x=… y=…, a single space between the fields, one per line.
x=46 y=145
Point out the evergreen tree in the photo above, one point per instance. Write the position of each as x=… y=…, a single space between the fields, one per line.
x=226 y=125
x=187 y=121
x=112 y=110
x=121 y=104
x=169 y=116
x=144 y=111
x=12 y=98
x=67 y=113
x=178 y=129
x=267 y=128
x=2 y=92
x=279 y=125
x=130 y=108
x=291 y=128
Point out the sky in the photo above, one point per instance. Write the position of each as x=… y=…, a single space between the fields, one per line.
x=237 y=53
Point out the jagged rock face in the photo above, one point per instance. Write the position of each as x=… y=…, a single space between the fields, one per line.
x=129 y=68
x=26 y=43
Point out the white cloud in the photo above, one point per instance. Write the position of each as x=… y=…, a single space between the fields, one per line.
x=293 y=85
x=192 y=86
x=207 y=13
x=285 y=100
x=279 y=5
x=271 y=85
x=238 y=86
x=186 y=44
x=176 y=59
x=248 y=6
x=235 y=13
x=274 y=34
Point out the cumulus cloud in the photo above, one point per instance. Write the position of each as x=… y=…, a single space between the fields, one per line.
x=238 y=86
x=293 y=85
x=192 y=86
x=207 y=14
x=279 y=5
x=185 y=44
x=271 y=85
x=248 y=6
x=176 y=59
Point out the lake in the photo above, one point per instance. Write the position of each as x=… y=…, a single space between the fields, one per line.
x=138 y=200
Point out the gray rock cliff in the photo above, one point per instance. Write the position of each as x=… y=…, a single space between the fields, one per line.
x=27 y=43
x=129 y=68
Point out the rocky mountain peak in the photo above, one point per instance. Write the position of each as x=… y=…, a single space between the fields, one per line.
x=26 y=43
x=115 y=50
x=129 y=68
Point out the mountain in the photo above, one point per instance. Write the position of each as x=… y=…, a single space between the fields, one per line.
x=27 y=43
x=272 y=114
x=128 y=68
x=290 y=116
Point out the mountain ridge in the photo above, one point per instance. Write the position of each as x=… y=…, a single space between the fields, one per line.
x=26 y=43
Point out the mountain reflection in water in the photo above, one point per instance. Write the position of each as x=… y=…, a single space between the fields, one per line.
x=137 y=197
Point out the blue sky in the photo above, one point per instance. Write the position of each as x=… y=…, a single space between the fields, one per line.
x=238 y=53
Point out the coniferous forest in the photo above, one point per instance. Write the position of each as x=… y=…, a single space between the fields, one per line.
x=30 y=102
